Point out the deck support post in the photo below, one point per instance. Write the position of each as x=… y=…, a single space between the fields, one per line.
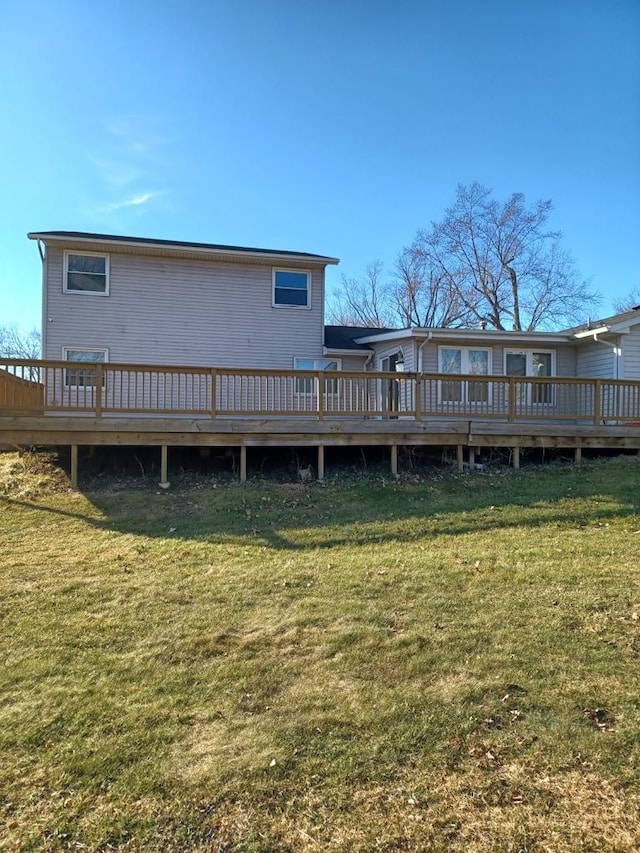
x=243 y=463
x=321 y=462
x=394 y=460
x=577 y=455
x=472 y=458
x=164 y=466
x=516 y=458
x=74 y=466
x=460 y=457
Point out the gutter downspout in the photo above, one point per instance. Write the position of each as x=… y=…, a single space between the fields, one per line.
x=423 y=344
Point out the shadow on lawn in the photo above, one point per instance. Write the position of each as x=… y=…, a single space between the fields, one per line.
x=302 y=518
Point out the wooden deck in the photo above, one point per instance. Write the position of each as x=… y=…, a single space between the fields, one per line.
x=62 y=403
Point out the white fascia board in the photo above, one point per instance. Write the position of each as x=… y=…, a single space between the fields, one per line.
x=484 y=336
x=358 y=353
x=591 y=333
x=523 y=339
x=385 y=336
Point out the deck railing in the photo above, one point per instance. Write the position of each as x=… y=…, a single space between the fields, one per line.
x=63 y=387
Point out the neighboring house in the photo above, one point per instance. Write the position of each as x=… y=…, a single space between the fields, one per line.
x=147 y=301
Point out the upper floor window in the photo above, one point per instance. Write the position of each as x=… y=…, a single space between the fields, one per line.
x=86 y=273
x=291 y=289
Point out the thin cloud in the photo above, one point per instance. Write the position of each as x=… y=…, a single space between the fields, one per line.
x=134 y=201
x=130 y=156
x=137 y=199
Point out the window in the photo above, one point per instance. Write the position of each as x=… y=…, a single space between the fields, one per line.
x=476 y=362
x=83 y=377
x=86 y=273
x=534 y=364
x=291 y=289
x=306 y=386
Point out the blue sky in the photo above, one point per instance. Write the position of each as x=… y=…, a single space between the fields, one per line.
x=331 y=126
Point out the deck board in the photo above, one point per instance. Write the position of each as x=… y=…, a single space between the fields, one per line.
x=282 y=432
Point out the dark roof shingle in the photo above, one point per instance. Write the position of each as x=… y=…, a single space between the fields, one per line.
x=344 y=337
x=178 y=244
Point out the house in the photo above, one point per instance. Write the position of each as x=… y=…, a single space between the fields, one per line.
x=137 y=300
x=128 y=299
x=168 y=343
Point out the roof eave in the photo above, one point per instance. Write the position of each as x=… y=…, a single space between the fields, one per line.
x=482 y=335
x=157 y=247
x=364 y=353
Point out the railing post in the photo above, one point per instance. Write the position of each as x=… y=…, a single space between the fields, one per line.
x=214 y=389
x=99 y=377
x=418 y=402
x=512 y=399
x=597 y=414
x=320 y=388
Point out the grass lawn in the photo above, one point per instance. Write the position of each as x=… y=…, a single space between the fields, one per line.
x=448 y=665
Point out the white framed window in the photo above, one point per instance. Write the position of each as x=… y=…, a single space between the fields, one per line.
x=534 y=363
x=291 y=289
x=464 y=360
x=86 y=272
x=83 y=377
x=306 y=386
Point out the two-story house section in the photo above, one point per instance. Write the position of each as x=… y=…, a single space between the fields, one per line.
x=146 y=301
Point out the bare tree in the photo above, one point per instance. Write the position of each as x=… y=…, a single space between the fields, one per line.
x=413 y=295
x=13 y=344
x=420 y=295
x=626 y=303
x=500 y=264
x=362 y=301
x=486 y=263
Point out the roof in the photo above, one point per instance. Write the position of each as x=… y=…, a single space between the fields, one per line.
x=175 y=246
x=344 y=337
x=625 y=318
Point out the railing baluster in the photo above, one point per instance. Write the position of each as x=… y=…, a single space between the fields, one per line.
x=43 y=386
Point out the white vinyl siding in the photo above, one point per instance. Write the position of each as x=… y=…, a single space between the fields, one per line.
x=595 y=360
x=630 y=368
x=355 y=362
x=392 y=350
x=185 y=312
